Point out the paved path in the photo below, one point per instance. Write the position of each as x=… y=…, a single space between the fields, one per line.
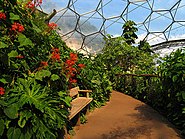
x=125 y=118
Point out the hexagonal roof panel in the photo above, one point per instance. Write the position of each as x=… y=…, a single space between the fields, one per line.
x=79 y=20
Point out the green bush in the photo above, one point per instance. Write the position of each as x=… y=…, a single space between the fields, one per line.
x=36 y=71
x=165 y=93
x=172 y=71
x=95 y=77
x=33 y=85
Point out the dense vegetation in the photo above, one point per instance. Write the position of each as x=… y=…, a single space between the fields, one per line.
x=37 y=69
x=134 y=71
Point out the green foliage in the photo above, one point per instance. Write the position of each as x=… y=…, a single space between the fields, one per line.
x=95 y=77
x=167 y=93
x=34 y=75
x=33 y=105
x=31 y=111
x=34 y=80
x=172 y=71
x=120 y=58
x=129 y=32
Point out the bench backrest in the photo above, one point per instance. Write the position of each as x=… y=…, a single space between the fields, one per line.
x=73 y=91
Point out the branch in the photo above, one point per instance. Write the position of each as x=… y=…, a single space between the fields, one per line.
x=50 y=16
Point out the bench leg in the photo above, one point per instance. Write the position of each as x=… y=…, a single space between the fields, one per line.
x=63 y=134
x=88 y=107
x=78 y=121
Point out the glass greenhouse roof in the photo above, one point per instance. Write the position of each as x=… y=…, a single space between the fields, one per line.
x=84 y=23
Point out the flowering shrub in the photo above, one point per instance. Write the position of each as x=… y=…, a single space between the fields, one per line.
x=94 y=76
x=71 y=69
x=33 y=86
x=17 y=27
x=52 y=25
x=32 y=4
x=2 y=16
x=2 y=91
x=55 y=54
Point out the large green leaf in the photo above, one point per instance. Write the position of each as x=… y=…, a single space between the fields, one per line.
x=24 y=116
x=1 y=127
x=3 y=80
x=54 y=77
x=3 y=45
x=13 y=53
x=24 y=41
x=42 y=74
x=14 y=16
x=27 y=135
x=11 y=111
x=13 y=133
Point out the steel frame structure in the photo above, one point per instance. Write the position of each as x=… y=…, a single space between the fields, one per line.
x=130 y=7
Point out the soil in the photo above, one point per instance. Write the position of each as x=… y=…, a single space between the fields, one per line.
x=124 y=117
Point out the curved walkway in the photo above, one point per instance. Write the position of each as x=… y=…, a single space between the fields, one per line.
x=125 y=118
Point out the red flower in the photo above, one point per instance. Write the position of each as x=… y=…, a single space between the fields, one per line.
x=55 y=56
x=72 y=80
x=17 y=27
x=71 y=69
x=30 y=5
x=19 y=56
x=2 y=16
x=73 y=56
x=81 y=65
x=44 y=63
x=56 y=50
x=2 y=91
x=70 y=74
x=52 y=25
x=69 y=63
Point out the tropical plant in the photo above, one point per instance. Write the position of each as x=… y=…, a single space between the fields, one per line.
x=129 y=32
x=165 y=93
x=33 y=84
x=29 y=110
x=172 y=71
x=120 y=58
x=95 y=77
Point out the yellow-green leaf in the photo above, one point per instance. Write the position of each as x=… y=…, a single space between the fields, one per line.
x=3 y=45
x=14 y=16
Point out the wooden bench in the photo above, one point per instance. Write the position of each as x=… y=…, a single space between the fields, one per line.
x=79 y=102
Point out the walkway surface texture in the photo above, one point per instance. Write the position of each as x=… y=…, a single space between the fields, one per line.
x=125 y=118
